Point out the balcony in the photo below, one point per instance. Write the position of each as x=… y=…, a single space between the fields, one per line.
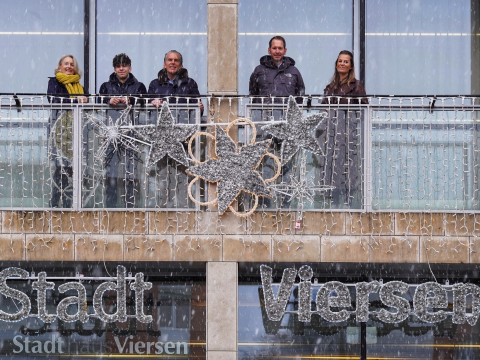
x=395 y=154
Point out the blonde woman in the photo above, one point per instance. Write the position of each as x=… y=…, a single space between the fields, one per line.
x=66 y=81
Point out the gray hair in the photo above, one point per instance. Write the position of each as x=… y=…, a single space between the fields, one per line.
x=175 y=52
x=75 y=65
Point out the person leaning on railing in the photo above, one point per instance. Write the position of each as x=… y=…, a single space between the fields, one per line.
x=121 y=82
x=339 y=136
x=66 y=81
x=343 y=82
x=173 y=80
x=276 y=75
x=119 y=162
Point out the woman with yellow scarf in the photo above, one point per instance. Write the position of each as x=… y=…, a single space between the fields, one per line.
x=66 y=81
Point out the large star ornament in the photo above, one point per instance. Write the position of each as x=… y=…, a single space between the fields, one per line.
x=233 y=170
x=296 y=131
x=166 y=137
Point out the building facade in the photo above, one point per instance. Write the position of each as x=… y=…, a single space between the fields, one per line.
x=390 y=198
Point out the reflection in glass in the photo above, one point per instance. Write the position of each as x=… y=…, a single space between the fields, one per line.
x=261 y=338
x=181 y=292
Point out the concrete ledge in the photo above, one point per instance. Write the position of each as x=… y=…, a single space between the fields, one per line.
x=263 y=237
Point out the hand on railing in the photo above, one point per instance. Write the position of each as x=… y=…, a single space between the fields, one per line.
x=119 y=100
x=157 y=102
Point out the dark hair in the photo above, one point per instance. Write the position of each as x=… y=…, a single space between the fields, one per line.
x=335 y=82
x=121 y=59
x=277 y=38
x=175 y=52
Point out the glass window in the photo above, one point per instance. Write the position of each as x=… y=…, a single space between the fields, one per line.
x=146 y=30
x=178 y=292
x=260 y=337
x=424 y=159
x=419 y=47
x=34 y=34
x=315 y=32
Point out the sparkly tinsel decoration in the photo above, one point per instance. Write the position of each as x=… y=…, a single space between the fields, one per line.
x=14 y=294
x=42 y=286
x=115 y=134
x=120 y=288
x=296 y=131
x=80 y=301
x=421 y=302
x=302 y=189
x=305 y=293
x=325 y=301
x=275 y=307
x=388 y=297
x=460 y=292
x=362 y=298
x=234 y=169
x=166 y=137
x=139 y=286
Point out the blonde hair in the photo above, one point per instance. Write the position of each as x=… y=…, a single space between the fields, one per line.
x=75 y=65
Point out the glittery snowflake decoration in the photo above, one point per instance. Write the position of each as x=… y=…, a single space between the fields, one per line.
x=166 y=137
x=300 y=189
x=115 y=134
x=296 y=131
x=234 y=169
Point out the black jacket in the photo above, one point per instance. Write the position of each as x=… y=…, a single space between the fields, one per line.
x=268 y=79
x=56 y=87
x=182 y=85
x=114 y=87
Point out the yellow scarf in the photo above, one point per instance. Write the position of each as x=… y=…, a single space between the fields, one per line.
x=71 y=82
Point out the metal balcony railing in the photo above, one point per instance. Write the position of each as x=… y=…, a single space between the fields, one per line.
x=392 y=154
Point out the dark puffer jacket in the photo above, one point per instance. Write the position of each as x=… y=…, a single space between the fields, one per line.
x=268 y=79
x=182 y=85
x=56 y=87
x=114 y=87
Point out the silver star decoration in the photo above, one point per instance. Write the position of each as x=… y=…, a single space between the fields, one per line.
x=302 y=189
x=234 y=169
x=115 y=134
x=296 y=131
x=166 y=137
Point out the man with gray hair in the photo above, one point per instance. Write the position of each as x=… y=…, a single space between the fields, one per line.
x=173 y=80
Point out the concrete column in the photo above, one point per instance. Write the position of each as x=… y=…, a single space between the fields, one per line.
x=222 y=47
x=222 y=310
x=222 y=65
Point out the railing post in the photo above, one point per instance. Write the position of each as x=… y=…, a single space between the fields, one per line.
x=77 y=161
x=367 y=168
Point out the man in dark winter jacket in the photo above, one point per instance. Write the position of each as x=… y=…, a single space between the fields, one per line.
x=173 y=80
x=276 y=75
x=121 y=82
